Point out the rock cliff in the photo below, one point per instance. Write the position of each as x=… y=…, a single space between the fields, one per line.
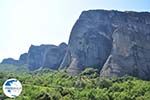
x=49 y=56
x=10 y=61
x=117 y=43
x=43 y=56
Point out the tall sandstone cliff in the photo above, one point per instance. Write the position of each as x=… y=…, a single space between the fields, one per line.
x=117 y=43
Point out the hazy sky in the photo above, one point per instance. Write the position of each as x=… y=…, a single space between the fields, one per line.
x=26 y=22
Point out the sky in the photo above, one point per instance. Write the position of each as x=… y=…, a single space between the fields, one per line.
x=26 y=22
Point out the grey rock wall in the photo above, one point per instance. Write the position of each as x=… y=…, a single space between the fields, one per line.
x=46 y=56
x=39 y=57
x=117 y=43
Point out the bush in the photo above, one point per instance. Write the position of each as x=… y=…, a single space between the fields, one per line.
x=91 y=72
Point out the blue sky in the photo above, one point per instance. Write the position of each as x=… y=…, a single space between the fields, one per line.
x=26 y=22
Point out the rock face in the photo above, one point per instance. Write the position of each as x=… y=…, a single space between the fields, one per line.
x=23 y=58
x=130 y=53
x=43 y=56
x=117 y=43
x=10 y=61
x=89 y=44
x=49 y=56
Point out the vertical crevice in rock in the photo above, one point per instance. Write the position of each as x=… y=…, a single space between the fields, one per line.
x=135 y=57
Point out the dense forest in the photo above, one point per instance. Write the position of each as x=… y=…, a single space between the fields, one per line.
x=58 y=85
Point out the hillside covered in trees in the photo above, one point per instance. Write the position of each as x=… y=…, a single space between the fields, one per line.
x=58 y=85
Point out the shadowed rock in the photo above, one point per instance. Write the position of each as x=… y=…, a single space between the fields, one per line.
x=10 y=61
x=39 y=57
x=116 y=42
x=49 y=56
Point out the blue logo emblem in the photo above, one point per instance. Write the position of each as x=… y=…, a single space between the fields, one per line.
x=12 y=88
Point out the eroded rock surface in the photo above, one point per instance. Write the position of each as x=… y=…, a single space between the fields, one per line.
x=49 y=56
x=117 y=43
x=38 y=57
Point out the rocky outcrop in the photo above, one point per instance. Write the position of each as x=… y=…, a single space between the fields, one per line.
x=10 y=61
x=117 y=43
x=130 y=52
x=43 y=56
x=23 y=58
x=90 y=42
x=49 y=56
